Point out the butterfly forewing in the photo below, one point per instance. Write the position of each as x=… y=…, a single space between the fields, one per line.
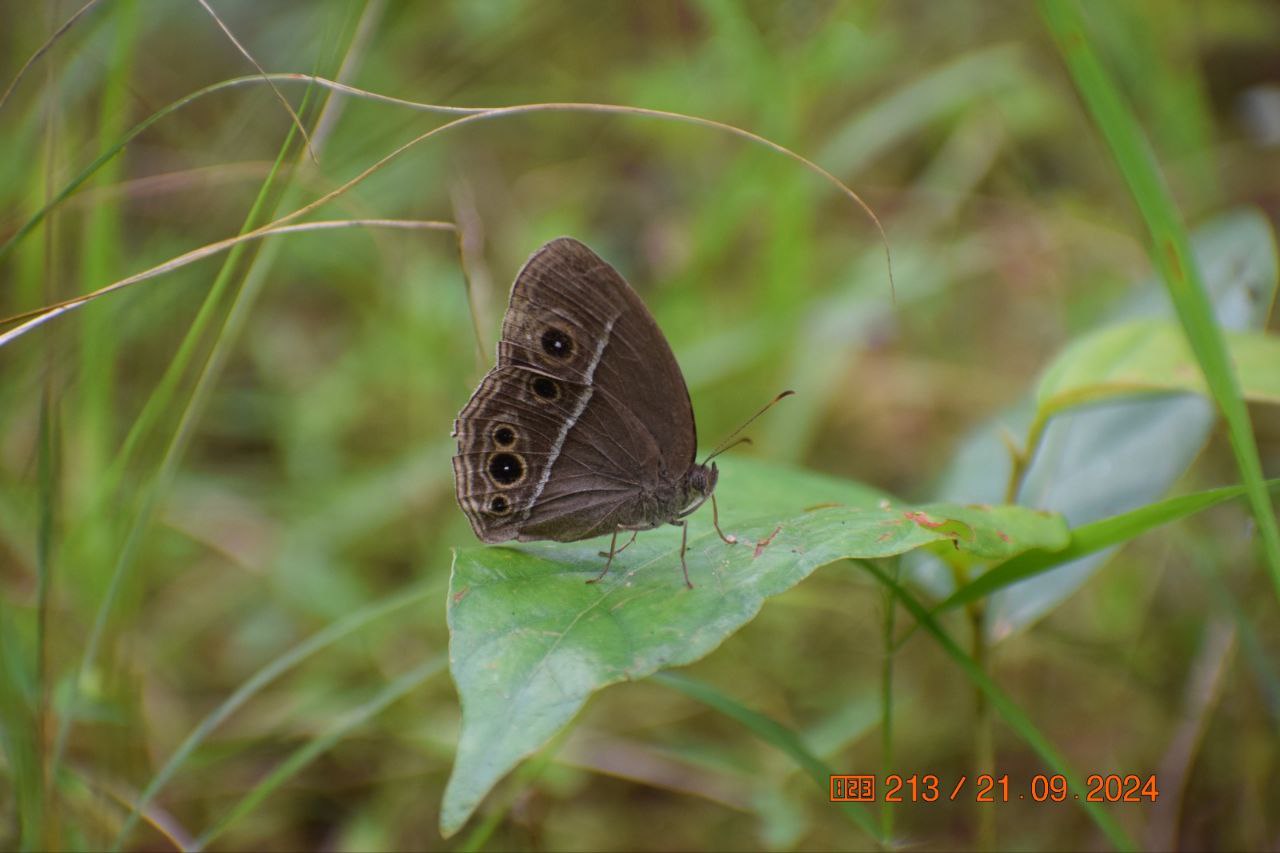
x=565 y=278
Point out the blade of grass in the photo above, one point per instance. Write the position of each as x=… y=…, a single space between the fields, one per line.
x=93 y=423
x=1014 y=716
x=44 y=48
x=303 y=756
x=47 y=498
x=49 y=478
x=366 y=27
x=1172 y=255
x=773 y=733
x=1092 y=537
x=43 y=315
x=102 y=240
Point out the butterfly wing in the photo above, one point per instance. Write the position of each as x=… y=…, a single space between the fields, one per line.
x=585 y=411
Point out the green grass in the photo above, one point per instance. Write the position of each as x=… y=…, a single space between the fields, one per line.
x=226 y=506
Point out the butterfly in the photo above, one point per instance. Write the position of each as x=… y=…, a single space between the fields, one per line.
x=584 y=426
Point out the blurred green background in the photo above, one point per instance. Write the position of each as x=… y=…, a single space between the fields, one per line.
x=254 y=482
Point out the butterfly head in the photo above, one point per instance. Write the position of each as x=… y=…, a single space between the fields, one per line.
x=702 y=479
x=700 y=482
x=694 y=488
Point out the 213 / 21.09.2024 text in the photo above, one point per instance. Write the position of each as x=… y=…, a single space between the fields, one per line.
x=988 y=788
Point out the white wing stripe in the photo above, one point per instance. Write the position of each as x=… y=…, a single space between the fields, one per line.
x=569 y=422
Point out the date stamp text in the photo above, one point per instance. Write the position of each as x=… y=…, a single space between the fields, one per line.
x=989 y=788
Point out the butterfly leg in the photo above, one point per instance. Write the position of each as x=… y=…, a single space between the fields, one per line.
x=613 y=549
x=715 y=519
x=684 y=544
x=634 y=534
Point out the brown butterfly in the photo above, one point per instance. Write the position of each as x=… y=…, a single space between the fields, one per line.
x=584 y=427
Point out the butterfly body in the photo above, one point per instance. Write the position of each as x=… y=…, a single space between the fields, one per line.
x=584 y=426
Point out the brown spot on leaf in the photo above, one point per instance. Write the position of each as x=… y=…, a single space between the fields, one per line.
x=1171 y=255
x=461 y=594
x=764 y=543
x=923 y=520
x=1003 y=535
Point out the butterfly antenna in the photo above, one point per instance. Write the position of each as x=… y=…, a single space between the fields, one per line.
x=729 y=442
x=744 y=440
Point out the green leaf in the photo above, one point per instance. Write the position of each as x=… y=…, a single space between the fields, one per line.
x=1152 y=356
x=530 y=641
x=981 y=533
x=1091 y=538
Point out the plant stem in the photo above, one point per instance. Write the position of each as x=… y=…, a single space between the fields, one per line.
x=886 y=705
x=984 y=740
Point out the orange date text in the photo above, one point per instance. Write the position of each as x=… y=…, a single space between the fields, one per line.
x=991 y=788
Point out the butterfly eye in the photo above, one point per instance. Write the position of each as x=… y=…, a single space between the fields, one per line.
x=506 y=469
x=545 y=388
x=556 y=343
x=499 y=505
x=504 y=435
